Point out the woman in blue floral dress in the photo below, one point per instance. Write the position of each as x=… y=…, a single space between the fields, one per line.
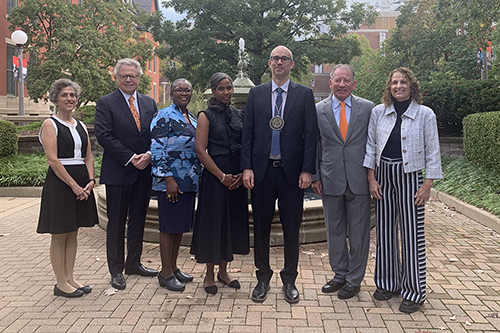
x=175 y=170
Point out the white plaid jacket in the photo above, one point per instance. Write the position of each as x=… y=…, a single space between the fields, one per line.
x=419 y=138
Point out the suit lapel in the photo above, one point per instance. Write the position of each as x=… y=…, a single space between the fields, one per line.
x=328 y=111
x=143 y=111
x=354 y=116
x=291 y=96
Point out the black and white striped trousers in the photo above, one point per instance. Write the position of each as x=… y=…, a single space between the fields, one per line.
x=397 y=208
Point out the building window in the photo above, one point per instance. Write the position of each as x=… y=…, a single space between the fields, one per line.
x=11 y=84
x=154 y=64
x=381 y=38
x=318 y=69
x=11 y=4
x=154 y=91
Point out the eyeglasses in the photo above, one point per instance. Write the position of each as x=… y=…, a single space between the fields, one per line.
x=180 y=90
x=284 y=59
x=125 y=77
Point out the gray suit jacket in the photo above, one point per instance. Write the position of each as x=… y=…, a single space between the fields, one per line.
x=340 y=163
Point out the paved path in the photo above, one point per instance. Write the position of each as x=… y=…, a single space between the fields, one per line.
x=463 y=280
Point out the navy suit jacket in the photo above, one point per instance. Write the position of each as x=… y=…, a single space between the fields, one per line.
x=117 y=133
x=298 y=138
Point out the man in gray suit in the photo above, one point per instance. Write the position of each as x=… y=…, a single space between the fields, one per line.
x=342 y=181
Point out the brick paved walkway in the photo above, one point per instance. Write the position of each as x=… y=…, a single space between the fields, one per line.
x=463 y=280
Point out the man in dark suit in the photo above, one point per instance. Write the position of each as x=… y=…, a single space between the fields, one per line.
x=278 y=159
x=342 y=181
x=122 y=121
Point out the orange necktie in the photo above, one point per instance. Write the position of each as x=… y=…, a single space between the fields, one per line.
x=135 y=114
x=343 y=120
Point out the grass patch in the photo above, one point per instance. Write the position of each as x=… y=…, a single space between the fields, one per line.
x=470 y=183
x=29 y=169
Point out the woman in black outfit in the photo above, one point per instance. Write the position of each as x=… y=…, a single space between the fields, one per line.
x=68 y=201
x=221 y=227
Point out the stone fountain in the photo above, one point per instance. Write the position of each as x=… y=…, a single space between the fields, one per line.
x=313 y=222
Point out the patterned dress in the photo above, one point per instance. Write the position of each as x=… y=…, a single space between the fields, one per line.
x=173 y=154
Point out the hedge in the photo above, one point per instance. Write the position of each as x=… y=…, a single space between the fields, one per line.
x=454 y=100
x=8 y=138
x=482 y=139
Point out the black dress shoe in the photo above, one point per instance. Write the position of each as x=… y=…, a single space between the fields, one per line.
x=291 y=293
x=332 y=286
x=182 y=277
x=232 y=284
x=59 y=292
x=118 y=281
x=85 y=289
x=384 y=295
x=141 y=270
x=212 y=290
x=171 y=283
x=348 y=291
x=259 y=293
x=408 y=306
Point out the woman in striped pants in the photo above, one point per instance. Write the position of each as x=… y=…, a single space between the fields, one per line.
x=402 y=141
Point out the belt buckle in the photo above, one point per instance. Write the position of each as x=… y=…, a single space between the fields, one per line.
x=277 y=163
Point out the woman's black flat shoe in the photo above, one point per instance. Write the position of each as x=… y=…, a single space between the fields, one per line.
x=171 y=283
x=233 y=284
x=183 y=277
x=85 y=289
x=74 y=294
x=212 y=290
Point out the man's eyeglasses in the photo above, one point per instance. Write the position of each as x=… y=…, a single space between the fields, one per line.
x=284 y=59
x=125 y=77
x=180 y=90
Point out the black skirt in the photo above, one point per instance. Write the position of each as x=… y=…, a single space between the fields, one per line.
x=60 y=212
x=221 y=225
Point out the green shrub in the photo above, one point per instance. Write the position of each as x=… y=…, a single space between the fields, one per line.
x=23 y=170
x=482 y=140
x=35 y=125
x=29 y=169
x=85 y=113
x=8 y=138
x=454 y=100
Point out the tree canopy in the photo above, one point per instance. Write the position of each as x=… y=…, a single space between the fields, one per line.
x=206 y=41
x=81 y=42
x=438 y=39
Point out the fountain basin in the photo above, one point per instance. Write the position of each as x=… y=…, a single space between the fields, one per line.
x=312 y=229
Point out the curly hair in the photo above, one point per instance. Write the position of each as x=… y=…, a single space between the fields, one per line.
x=59 y=85
x=415 y=92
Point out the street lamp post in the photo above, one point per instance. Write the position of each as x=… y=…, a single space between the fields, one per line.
x=164 y=84
x=19 y=37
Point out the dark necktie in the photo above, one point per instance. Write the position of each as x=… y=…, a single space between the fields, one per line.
x=275 y=139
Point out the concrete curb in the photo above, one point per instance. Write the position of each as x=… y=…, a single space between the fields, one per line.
x=21 y=191
x=487 y=219
x=480 y=215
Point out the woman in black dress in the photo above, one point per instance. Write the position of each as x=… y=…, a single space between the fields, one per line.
x=221 y=227
x=68 y=201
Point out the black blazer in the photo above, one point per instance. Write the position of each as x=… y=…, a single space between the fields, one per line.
x=298 y=137
x=117 y=133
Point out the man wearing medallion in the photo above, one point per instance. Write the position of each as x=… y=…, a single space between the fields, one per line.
x=278 y=159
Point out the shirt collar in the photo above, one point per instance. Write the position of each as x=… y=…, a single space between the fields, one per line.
x=284 y=86
x=336 y=101
x=127 y=96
